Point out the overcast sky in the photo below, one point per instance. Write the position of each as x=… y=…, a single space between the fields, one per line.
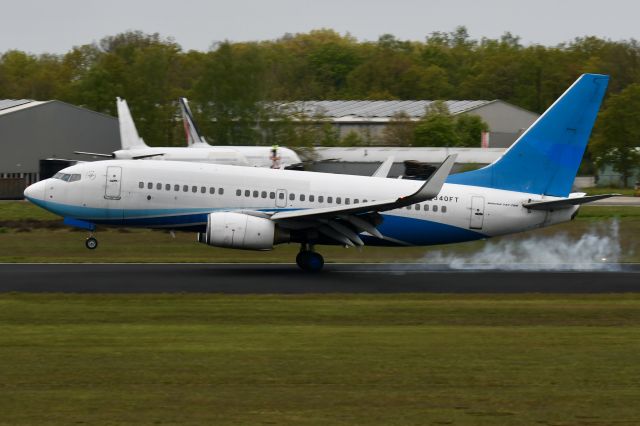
x=56 y=26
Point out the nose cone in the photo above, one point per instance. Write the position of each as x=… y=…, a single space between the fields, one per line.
x=35 y=192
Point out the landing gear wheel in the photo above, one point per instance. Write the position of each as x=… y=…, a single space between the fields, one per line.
x=310 y=261
x=91 y=243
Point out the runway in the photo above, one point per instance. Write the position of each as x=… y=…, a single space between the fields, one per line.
x=288 y=279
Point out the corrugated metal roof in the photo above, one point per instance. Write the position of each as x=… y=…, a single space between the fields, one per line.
x=376 y=109
x=8 y=106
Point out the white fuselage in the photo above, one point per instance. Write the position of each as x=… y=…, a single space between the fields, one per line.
x=179 y=195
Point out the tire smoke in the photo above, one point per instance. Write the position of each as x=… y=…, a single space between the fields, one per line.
x=598 y=249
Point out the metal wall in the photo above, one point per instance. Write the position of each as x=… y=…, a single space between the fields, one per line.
x=52 y=130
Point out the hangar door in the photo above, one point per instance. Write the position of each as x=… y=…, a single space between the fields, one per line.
x=114 y=181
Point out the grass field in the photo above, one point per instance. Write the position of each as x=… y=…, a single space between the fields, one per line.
x=29 y=234
x=317 y=360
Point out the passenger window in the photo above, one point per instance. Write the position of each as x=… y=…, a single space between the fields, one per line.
x=247 y=193
x=264 y=194
x=255 y=194
x=194 y=189
x=203 y=189
x=212 y=190
x=167 y=187
x=417 y=207
x=302 y=197
x=321 y=198
x=281 y=195
x=426 y=207
x=347 y=201
x=220 y=191
x=338 y=200
x=185 y=188
x=443 y=209
x=238 y=192
x=329 y=200
x=149 y=185
x=312 y=198
x=272 y=195
x=364 y=201
x=176 y=187
x=140 y=185
x=292 y=196
x=408 y=207
x=356 y=201
x=158 y=186
x=435 y=208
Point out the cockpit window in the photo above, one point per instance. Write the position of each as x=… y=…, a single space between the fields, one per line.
x=67 y=177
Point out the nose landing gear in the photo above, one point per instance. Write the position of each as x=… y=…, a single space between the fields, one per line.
x=91 y=243
x=309 y=260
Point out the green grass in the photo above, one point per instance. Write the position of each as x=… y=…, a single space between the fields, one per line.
x=26 y=237
x=597 y=191
x=317 y=360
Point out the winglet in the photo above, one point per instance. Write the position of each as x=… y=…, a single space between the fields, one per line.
x=129 y=137
x=190 y=127
x=385 y=167
x=433 y=185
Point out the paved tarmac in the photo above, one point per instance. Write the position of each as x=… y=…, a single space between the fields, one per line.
x=288 y=279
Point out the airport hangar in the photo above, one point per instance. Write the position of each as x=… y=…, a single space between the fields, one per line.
x=31 y=131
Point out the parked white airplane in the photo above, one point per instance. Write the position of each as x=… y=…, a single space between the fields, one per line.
x=134 y=148
x=255 y=208
x=257 y=156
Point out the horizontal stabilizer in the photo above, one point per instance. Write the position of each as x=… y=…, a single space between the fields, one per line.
x=565 y=203
x=94 y=154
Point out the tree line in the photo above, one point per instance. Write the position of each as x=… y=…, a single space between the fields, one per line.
x=233 y=86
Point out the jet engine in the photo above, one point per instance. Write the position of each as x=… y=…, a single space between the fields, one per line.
x=242 y=231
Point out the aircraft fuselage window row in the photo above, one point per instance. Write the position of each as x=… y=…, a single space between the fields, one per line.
x=292 y=197
x=185 y=188
x=434 y=208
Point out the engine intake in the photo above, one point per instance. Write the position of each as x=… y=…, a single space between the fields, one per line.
x=242 y=231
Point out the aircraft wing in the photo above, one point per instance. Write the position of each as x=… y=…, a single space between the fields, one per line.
x=566 y=202
x=343 y=223
x=385 y=167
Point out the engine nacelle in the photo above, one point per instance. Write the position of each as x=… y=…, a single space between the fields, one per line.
x=242 y=231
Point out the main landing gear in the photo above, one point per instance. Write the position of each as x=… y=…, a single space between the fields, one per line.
x=308 y=259
x=91 y=243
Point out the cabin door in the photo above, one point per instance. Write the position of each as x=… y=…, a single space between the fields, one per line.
x=114 y=183
x=281 y=198
x=477 y=213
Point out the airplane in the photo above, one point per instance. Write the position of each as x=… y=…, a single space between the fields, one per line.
x=250 y=208
x=257 y=156
x=135 y=148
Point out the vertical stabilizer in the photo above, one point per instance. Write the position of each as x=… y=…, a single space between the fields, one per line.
x=190 y=127
x=129 y=137
x=545 y=158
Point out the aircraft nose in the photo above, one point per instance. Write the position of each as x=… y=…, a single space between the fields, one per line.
x=35 y=191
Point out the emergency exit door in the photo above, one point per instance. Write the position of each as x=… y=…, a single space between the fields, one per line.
x=114 y=182
x=477 y=213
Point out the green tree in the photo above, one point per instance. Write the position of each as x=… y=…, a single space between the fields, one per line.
x=399 y=131
x=469 y=129
x=617 y=135
x=437 y=127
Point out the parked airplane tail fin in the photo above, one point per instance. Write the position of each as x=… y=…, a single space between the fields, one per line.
x=129 y=137
x=546 y=157
x=190 y=127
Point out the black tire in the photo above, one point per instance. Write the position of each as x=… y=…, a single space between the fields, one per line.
x=310 y=261
x=91 y=243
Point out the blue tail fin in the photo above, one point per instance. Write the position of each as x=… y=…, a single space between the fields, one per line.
x=545 y=158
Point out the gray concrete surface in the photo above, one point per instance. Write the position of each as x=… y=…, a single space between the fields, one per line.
x=288 y=279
